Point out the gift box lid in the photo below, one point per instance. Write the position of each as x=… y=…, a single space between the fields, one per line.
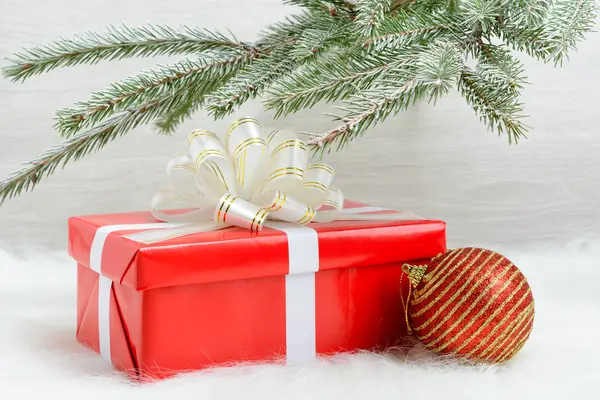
x=235 y=253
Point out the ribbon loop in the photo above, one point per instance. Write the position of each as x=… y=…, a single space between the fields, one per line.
x=249 y=152
x=213 y=167
x=317 y=179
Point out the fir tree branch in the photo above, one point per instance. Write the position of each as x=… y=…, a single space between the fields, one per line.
x=565 y=25
x=202 y=77
x=569 y=22
x=452 y=6
x=294 y=26
x=331 y=6
x=408 y=28
x=399 y=4
x=447 y=6
x=82 y=144
x=314 y=42
x=332 y=80
x=439 y=68
x=168 y=123
x=114 y=44
x=436 y=71
x=363 y=111
x=285 y=58
x=499 y=109
x=531 y=41
x=249 y=83
x=370 y=13
x=481 y=14
x=527 y=13
x=497 y=66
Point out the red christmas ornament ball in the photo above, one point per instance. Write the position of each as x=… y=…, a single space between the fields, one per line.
x=471 y=303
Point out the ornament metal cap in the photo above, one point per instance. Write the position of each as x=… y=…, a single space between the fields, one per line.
x=415 y=273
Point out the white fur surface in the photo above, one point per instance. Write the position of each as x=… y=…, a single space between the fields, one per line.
x=39 y=357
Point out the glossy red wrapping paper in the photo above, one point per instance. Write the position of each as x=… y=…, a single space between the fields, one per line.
x=219 y=297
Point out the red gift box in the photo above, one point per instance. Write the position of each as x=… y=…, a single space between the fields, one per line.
x=158 y=304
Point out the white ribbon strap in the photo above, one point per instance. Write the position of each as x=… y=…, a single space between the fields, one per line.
x=300 y=295
x=104 y=283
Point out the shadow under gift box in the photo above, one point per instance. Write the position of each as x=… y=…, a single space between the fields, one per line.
x=228 y=296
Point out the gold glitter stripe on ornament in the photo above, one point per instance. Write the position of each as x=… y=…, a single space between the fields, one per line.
x=510 y=347
x=217 y=172
x=316 y=185
x=490 y=334
x=280 y=199
x=258 y=220
x=431 y=278
x=508 y=331
x=324 y=167
x=468 y=282
x=431 y=285
x=436 y=278
x=514 y=326
x=471 y=307
x=283 y=172
x=517 y=346
x=183 y=166
x=456 y=280
x=433 y=275
x=224 y=208
x=308 y=216
x=471 y=322
x=200 y=132
x=493 y=331
x=289 y=143
x=248 y=142
x=496 y=312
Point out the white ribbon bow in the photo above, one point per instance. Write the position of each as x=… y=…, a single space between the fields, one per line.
x=249 y=179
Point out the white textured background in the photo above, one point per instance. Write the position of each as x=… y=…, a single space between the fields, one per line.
x=437 y=161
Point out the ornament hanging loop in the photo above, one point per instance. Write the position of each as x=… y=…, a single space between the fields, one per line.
x=415 y=274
